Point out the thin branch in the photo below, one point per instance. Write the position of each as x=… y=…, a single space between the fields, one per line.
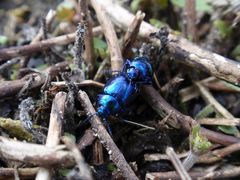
x=132 y=33
x=190 y=17
x=220 y=121
x=100 y=131
x=158 y=157
x=224 y=173
x=41 y=33
x=8 y=64
x=110 y=35
x=24 y=173
x=98 y=157
x=100 y=72
x=208 y=97
x=12 y=52
x=83 y=83
x=79 y=46
x=212 y=83
x=35 y=154
x=219 y=154
x=54 y=130
x=88 y=38
x=10 y=88
x=86 y=140
x=49 y=18
x=177 y=164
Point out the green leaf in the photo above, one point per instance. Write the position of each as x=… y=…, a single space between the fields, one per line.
x=205 y=112
x=163 y=4
x=72 y=66
x=64 y=172
x=199 y=142
x=65 y=11
x=179 y=3
x=232 y=130
x=156 y=23
x=21 y=12
x=201 y=5
x=42 y=67
x=71 y=137
x=236 y=52
x=135 y=5
x=111 y=167
x=14 y=73
x=3 y=40
x=223 y=28
x=100 y=47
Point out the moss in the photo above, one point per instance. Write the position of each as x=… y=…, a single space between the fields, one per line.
x=15 y=129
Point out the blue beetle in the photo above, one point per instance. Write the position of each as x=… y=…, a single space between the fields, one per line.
x=116 y=95
x=139 y=70
x=120 y=90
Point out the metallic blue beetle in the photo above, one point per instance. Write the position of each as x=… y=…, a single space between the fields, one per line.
x=120 y=90
x=139 y=70
x=116 y=95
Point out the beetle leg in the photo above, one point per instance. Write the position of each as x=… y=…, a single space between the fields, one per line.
x=108 y=126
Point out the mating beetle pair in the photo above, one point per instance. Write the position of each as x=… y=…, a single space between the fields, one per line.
x=119 y=90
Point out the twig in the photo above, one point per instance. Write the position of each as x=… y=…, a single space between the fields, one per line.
x=224 y=173
x=29 y=49
x=172 y=83
x=207 y=158
x=79 y=46
x=97 y=153
x=41 y=33
x=84 y=170
x=190 y=160
x=217 y=155
x=220 y=121
x=158 y=157
x=35 y=154
x=16 y=174
x=23 y=172
x=49 y=18
x=8 y=64
x=98 y=128
x=138 y=124
x=100 y=72
x=179 y=48
x=88 y=38
x=131 y=34
x=83 y=83
x=110 y=35
x=177 y=164
x=212 y=83
x=190 y=17
x=27 y=85
x=86 y=140
x=9 y=88
x=54 y=130
x=208 y=97
x=26 y=112
x=163 y=109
